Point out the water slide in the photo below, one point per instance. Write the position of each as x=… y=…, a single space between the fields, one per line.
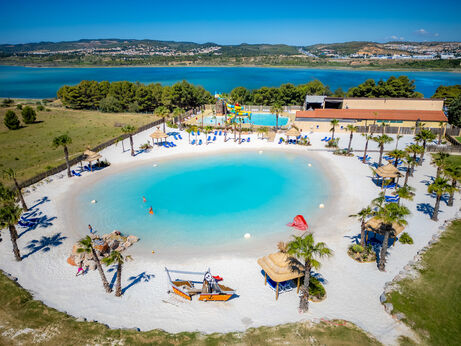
x=234 y=110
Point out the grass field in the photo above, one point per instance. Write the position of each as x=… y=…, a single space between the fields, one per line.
x=432 y=303
x=26 y=321
x=29 y=151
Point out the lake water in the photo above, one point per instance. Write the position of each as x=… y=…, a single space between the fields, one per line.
x=28 y=82
x=206 y=200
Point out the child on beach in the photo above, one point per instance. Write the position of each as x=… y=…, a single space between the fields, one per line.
x=91 y=229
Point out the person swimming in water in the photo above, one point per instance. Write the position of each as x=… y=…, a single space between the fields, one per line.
x=144 y=199
x=151 y=211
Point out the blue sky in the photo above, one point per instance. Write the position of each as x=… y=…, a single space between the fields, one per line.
x=231 y=22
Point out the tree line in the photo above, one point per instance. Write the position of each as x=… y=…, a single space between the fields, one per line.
x=126 y=96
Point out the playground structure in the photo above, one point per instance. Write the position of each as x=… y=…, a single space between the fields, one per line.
x=233 y=113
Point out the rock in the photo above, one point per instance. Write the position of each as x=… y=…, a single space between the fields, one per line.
x=105 y=236
x=81 y=319
x=120 y=248
x=382 y=298
x=114 y=244
x=388 y=307
x=400 y=316
x=132 y=239
x=126 y=244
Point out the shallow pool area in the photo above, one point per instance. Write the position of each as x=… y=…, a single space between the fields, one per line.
x=261 y=119
x=205 y=200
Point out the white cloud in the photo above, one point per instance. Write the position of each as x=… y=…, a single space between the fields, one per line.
x=396 y=38
x=424 y=32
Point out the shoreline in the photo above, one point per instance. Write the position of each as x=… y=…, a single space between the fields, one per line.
x=326 y=67
x=242 y=246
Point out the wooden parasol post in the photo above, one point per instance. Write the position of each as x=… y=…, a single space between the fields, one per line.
x=299 y=281
x=265 y=278
x=277 y=291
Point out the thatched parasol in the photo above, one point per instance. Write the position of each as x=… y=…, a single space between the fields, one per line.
x=387 y=171
x=158 y=134
x=374 y=225
x=93 y=157
x=281 y=267
x=293 y=132
x=271 y=136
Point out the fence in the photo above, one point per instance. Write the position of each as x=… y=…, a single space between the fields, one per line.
x=444 y=148
x=80 y=157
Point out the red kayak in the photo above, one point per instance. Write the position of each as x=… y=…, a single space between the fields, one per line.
x=299 y=223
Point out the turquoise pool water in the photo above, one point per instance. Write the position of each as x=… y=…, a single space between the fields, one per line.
x=262 y=119
x=206 y=200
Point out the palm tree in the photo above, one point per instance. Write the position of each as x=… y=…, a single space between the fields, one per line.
x=410 y=161
x=397 y=155
x=276 y=109
x=189 y=130
x=442 y=126
x=9 y=217
x=11 y=174
x=207 y=130
x=405 y=192
x=362 y=215
x=381 y=141
x=333 y=123
x=388 y=214
x=351 y=128
x=63 y=141
x=87 y=246
x=163 y=113
x=423 y=136
x=304 y=248
x=367 y=137
x=440 y=160
x=129 y=129
x=414 y=149
x=178 y=112
x=440 y=186
x=454 y=173
x=397 y=138
x=116 y=257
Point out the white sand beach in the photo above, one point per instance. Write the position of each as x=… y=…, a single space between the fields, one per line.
x=353 y=289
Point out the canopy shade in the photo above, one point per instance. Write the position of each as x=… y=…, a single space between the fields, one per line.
x=387 y=171
x=293 y=132
x=93 y=157
x=158 y=135
x=88 y=152
x=374 y=225
x=279 y=267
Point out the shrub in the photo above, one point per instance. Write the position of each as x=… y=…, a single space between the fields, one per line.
x=145 y=146
x=332 y=143
x=7 y=102
x=110 y=104
x=40 y=108
x=28 y=115
x=133 y=107
x=357 y=248
x=11 y=120
x=316 y=289
x=19 y=106
x=405 y=238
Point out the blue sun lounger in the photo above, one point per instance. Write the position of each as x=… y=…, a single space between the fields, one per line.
x=214 y=138
x=175 y=138
x=200 y=142
x=179 y=136
x=216 y=133
x=280 y=140
x=324 y=139
x=76 y=173
x=220 y=133
x=242 y=140
x=390 y=186
x=390 y=199
x=208 y=139
x=193 y=142
x=192 y=133
x=248 y=139
x=198 y=133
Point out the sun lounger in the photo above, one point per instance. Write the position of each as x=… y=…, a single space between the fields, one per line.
x=198 y=133
x=179 y=136
x=390 y=186
x=175 y=138
x=193 y=142
x=324 y=139
x=248 y=139
x=391 y=199
x=220 y=133
x=216 y=133
x=208 y=139
x=242 y=140
x=192 y=133
x=200 y=142
x=76 y=173
x=280 y=140
x=214 y=138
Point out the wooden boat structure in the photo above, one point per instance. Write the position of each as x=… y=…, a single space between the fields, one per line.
x=208 y=289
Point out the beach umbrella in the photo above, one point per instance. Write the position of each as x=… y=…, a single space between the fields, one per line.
x=93 y=157
x=293 y=132
x=158 y=134
x=387 y=171
x=374 y=225
x=281 y=267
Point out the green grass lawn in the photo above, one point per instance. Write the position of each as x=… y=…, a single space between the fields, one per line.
x=456 y=159
x=19 y=311
x=28 y=150
x=432 y=303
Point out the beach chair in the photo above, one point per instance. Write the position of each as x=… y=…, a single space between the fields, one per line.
x=172 y=144
x=76 y=173
x=220 y=133
x=242 y=140
x=390 y=186
x=200 y=142
x=324 y=139
x=214 y=138
x=192 y=133
x=198 y=133
x=193 y=142
x=391 y=199
x=208 y=139
x=175 y=138
x=280 y=140
x=179 y=136
x=216 y=133
x=248 y=139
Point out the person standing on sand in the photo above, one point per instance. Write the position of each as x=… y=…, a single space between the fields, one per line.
x=80 y=268
x=91 y=229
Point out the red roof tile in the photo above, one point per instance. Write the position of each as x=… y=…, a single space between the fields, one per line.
x=373 y=114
